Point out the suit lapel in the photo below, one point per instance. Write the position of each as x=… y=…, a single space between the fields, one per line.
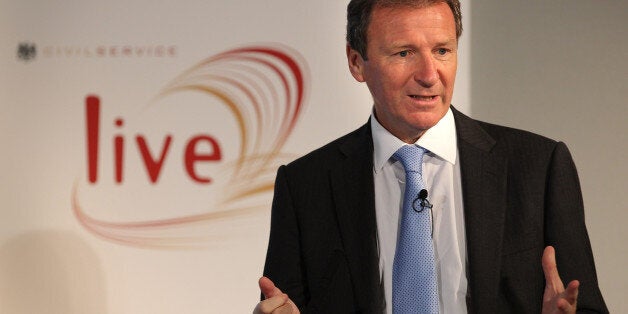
x=353 y=190
x=484 y=180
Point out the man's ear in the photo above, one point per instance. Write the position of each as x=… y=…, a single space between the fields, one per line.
x=356 y=64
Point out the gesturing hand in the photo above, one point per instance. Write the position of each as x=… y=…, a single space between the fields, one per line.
x=276 y=302
x=557 y=299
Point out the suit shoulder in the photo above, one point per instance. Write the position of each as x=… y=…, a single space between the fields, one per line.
x=332 y=152
x=517 y=138
x=489 y=136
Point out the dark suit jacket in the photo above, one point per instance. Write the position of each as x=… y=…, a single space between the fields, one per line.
x=520 y=193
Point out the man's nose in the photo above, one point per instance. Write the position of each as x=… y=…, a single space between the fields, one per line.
x=425 y=72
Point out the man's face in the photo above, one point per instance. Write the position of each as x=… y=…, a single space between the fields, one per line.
x=411 y=67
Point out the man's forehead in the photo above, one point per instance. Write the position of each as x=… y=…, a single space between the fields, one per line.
x=408 y=4
x=396 y=18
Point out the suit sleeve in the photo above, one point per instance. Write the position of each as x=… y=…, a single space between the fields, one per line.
x=565 y=230
x=283 y=263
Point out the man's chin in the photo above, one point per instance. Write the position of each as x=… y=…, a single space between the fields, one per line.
x=425 y=121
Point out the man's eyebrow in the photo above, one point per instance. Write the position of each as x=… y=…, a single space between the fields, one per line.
x=447 y=42
x=401 y=45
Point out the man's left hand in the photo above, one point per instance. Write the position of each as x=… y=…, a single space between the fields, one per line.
x=557 y=299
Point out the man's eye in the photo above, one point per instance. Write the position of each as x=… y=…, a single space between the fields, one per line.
x=403 y=54
x=442 y=51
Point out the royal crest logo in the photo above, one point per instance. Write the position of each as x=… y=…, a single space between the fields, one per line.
x=26 y=51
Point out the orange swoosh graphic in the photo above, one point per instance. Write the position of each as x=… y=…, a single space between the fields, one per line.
x=264 y=88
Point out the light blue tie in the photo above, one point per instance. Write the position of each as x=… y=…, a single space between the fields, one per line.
x=415 y=287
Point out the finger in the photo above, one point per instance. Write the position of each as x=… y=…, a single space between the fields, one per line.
x=272 y=304
x=286 y=309
x=268 y=288
x=564 y=307
x=552 y=278
x=571 y=293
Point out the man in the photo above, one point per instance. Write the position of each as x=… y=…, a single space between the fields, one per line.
x=503 y=199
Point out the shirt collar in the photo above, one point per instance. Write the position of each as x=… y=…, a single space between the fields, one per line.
x=439 y=139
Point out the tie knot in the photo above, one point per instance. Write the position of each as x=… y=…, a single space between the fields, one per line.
x=411 y=156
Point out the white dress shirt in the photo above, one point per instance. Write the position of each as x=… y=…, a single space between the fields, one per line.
x=441 y=176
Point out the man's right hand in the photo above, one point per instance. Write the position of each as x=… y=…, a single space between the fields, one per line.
x=275 y=302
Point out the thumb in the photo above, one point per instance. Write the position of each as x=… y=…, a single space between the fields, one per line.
x=268 y=288
x=552 y=278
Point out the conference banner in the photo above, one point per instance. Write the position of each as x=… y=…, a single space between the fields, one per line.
x=140 y=142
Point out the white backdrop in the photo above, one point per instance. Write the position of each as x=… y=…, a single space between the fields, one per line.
x=126 y=242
